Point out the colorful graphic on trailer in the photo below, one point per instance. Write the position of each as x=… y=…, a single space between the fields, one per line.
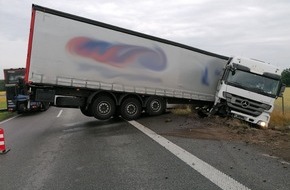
x=121 y=56
x=117 y=54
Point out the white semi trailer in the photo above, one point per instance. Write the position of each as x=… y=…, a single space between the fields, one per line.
x=106 y=70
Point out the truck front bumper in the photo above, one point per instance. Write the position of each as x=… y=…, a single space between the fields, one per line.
x=262 y=120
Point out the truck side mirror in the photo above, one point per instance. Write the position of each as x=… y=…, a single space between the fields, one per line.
x=282 y=89
x=233 y=70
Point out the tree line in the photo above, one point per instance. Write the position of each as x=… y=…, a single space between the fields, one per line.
x=2 y=85
x=285 y=77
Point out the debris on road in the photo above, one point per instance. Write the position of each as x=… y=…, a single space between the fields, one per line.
x=273 y=141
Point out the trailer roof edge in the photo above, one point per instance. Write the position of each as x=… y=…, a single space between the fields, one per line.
x=116 y=28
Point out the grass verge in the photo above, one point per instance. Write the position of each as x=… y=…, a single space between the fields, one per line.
x=280 y=120
x=5 y=115
x=3 y=100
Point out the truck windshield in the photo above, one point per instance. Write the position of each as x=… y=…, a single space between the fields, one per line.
x=253 y=82
x=12 y=76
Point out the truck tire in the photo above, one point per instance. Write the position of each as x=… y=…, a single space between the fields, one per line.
x=21 y=108
x=155 y=105
x=131 y=109
x=86 y=111
x=44 y=106
x=103 y=108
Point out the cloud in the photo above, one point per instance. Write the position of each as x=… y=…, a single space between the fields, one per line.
x=13 y=53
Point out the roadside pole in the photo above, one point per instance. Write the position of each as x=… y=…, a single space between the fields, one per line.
x=283 y=110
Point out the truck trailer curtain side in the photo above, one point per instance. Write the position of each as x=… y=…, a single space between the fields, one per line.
x=106 y=70
x=67 y=50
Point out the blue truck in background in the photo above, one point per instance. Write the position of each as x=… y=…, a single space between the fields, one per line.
x=18 y=97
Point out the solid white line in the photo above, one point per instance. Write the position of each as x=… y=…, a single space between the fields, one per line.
x=59 y=114
x=214 y=175
x=8 y=119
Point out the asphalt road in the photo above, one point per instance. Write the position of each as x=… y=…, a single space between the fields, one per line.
x=61 y=149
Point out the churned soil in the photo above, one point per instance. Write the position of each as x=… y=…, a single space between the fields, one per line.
x=274 y=142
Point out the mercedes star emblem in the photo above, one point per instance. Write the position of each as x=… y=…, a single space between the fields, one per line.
x=245 y=103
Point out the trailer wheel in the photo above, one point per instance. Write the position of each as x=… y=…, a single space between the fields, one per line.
x=86 y=111
x=103 y=108
x=155 y=106
x=131 y=109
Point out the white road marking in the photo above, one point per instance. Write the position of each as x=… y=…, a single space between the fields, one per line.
x=214 y=175
x=8 y=119
x=59 y=114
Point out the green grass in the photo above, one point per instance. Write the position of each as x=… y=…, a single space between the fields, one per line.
x=3 y=104
x=4 y=114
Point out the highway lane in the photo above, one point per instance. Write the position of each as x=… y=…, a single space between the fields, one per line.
x=61 y=149
x=241 y=161
x=75 y=152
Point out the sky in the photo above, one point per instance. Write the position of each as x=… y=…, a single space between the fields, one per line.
x=258 y=29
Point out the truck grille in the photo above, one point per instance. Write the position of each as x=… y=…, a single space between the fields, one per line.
x=244 y=105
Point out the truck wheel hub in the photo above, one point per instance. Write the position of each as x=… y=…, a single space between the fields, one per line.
x=104 y=108
x=155 y=105
x=131 y=109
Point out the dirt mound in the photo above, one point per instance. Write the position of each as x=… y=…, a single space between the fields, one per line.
x=275 y=142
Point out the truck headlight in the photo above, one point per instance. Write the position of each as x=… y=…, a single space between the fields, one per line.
x=263 y=124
